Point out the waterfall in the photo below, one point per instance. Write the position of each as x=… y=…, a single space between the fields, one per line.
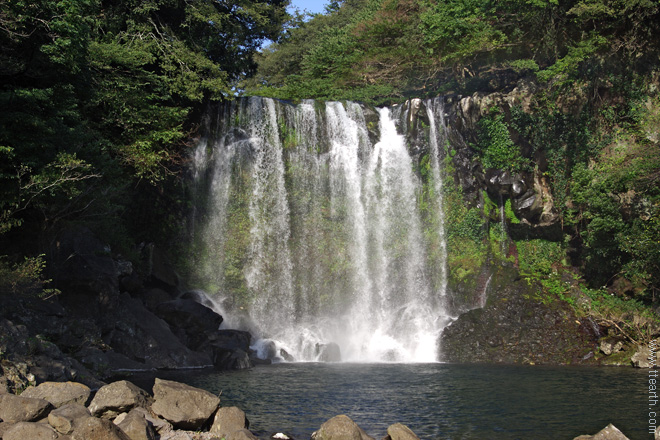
x=312 y=230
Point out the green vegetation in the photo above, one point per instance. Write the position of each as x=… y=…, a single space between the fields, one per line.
x=496 y=148
x=384 y=50
x=97 y=98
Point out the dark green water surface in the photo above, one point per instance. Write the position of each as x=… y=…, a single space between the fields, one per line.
x=437 y=401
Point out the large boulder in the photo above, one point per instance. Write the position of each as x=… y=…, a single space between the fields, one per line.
x=22 y=409
x=194 y=319
x=65 y=418
x=328 y=352
x=59 y=393
x=161 y=426
x=610 y=432
x=231 y=339
x=231 y=359
x=30 y=431
x=184 y=406
x=340 y=428
x=399 y=431
x=135 y=425
x=230 y=349
x=228 y=420
x=144 y=337
x=116 y=398
x=98 y=429
x=642 y=358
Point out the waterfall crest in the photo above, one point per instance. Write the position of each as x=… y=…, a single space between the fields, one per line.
x=310 y=226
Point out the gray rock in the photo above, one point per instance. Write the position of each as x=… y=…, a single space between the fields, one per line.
x=610 y=432
x=230 y=359
x=143 y=337
x=610 y=345
x=642 y=358
x=228 y=420
x=117 y=397
x=64 y=419
x=59 y=393
x=92 y=428
x=161 y=426
x=30 y=431
x=340 y=428
x=241 y=434
x=4 y=426
x=22 y=409
x=190 y=315
x=231 y=339
x=328 y=352
x=399 y=431
x=184 y=406
x=135 y=426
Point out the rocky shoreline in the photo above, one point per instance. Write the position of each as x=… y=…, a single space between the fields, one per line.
x=173 y=411
x=123 y=411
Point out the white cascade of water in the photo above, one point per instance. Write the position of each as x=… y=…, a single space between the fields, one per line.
x=438 y=137
x=337 y=249
x=269 y=269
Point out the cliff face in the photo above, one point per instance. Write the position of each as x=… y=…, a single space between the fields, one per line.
x=539 y=229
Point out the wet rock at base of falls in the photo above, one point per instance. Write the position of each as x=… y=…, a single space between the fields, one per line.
x=340 y=428
x=184 y=406
x=196 y=321
x=231 y=358
x=610 y=432
x=328 y=352
x=286 y=355
x=230 y=349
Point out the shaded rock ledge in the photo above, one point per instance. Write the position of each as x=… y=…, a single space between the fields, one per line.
x=110 y=318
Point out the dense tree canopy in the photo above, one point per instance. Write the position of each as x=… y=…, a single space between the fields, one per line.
x=96 y=95
x=383 y=50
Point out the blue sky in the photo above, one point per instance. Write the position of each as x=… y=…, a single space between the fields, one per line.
x=310 y=5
